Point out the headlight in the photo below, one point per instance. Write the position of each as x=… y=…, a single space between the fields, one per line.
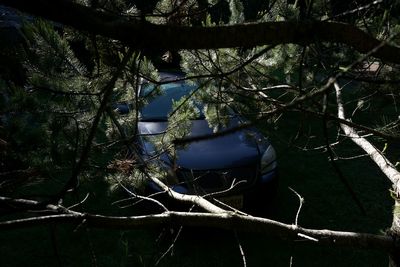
x=268 y=160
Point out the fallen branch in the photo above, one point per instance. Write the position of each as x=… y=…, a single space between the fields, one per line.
x=383 y=163
x=226 y=221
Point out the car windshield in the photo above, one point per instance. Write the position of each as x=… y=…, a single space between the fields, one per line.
x=160 y=99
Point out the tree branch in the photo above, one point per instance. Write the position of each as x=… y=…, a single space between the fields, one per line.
x=141 y=34
x=73 y=182
x=383 y=163
x=227 y=221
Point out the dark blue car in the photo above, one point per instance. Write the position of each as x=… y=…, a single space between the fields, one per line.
x=238 y=169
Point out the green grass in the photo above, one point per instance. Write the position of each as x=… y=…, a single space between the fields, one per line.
x=327 y=206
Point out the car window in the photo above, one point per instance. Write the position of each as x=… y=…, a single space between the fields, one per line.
x=160 y=99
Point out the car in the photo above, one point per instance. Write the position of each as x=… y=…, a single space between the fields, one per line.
x=238 y=169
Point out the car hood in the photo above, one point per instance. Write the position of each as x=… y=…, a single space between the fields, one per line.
x=239 y=148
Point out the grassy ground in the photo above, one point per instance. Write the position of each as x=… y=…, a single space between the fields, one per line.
x=327 y=205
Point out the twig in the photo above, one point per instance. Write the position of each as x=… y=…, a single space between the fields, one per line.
x=240 y=249
x=170 y=247
x=80 y=202
x=143 y=197
x=301 y=201
x=173 y=242
x=307 y=237
x=358 y=9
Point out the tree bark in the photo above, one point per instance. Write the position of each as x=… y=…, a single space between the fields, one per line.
x=225 y=220
x=142 y=34
x=386 y=167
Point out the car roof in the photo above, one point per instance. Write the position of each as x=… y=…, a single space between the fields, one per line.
x=171 y=75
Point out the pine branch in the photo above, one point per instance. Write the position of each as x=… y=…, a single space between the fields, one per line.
x=140 y=34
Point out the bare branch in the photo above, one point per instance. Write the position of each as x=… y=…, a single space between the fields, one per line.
x=240 y=249
x=170 y=247
x=383 y=163
x=193 y=199
x=301 y=201
x=226 y=220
